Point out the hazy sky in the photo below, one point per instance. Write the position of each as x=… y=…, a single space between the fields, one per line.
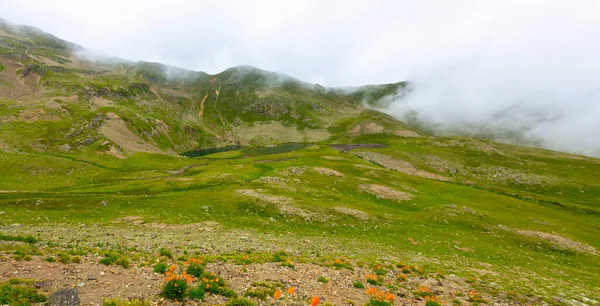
x=507 y=63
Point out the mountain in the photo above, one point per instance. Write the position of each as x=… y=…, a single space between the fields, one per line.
x=114 y=170
x=50 y=88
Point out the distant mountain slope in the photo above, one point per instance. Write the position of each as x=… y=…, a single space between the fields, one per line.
x=54 y=98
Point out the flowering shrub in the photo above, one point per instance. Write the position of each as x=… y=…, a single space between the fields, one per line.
x=379 y=270
x=475 y=297
x=375 y=280
x=315 y=300
x=423 y=291
x=175 y=286
x=380 y=297
x=434 y=301
x=409 y=269
x=195 y=267
x=401 y=278
x=343 y=264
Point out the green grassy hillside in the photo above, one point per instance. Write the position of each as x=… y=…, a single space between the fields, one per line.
x=88 y=152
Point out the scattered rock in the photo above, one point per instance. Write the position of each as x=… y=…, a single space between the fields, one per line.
x=65 y=297
x=65 y=148
x=353 y=212
x=397 y=165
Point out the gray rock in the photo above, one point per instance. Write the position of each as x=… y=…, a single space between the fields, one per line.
x=65 y=297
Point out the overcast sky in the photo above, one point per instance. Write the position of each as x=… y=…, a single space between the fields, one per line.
x=539 y=59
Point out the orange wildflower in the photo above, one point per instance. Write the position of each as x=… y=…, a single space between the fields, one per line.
x=277 y=294
x=315 y=301
x=291 y=290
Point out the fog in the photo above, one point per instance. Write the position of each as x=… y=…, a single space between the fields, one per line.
x=525 y=70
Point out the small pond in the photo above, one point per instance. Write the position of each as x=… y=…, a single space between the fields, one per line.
x=251 y=152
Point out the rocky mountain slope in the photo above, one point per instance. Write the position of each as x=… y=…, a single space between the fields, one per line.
x=55 y=99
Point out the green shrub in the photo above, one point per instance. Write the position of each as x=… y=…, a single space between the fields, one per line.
x=358 y=285
x=195 y=269
x=238 y=301
x=197 y=293
x=165 y=252
x=160 y=267
x=280 y=256
x=27 y=239
x=174 y=289
x=64 y=257
x=20 y=292
x=323 y=280
x=123 y=262
x=115 y=258
x=50 y=259
x=106 y=261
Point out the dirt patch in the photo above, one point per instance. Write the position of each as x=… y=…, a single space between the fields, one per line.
x=348 y=147
x=366 y=128
x=93 y=281
x=278 y=182
x=508 y=175
x=556 y=240
x=328 y=172
x=397 y=165
x=14 y=87
x=201 y=111
x=97 y=102
x=406 y=133
x=273 y=199
x=33 y=115
x=277 y=133
x=284 y=204
x=359 y=214
x=294 y=170
x=136 y=220
x=384 y=192
x=116 y=130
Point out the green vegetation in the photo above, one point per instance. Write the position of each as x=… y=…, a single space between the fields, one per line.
x=115 y=258
x=20 y=292
x=160 y=267
x=28 y=239
x=239 y=301
x=175 y=289
x=358 y=285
